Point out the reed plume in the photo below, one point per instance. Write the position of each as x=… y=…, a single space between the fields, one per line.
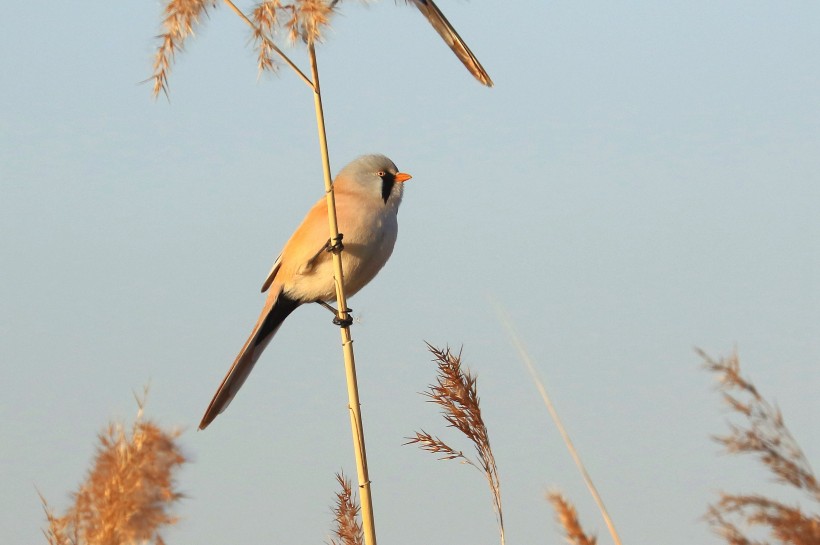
x=455 y=391
x=300 y=20
x=181 y=16
x=348 y=529
x=129 y=492
x=762 y=433
x=568 y=518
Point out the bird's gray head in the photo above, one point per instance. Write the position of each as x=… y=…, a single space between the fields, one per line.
x=377 y=175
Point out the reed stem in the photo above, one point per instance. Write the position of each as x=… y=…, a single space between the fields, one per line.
x=593 y=490
x=368 y=524
x=272 y=45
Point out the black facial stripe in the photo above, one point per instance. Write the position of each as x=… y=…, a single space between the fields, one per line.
x=388 y=181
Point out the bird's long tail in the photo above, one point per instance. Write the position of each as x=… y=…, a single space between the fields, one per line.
x=269 y=321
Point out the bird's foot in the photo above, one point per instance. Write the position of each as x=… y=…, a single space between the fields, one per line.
x=347 y=321
x=335 y=246
x=341 y=322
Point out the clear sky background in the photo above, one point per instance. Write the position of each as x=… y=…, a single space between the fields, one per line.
x=643 y=179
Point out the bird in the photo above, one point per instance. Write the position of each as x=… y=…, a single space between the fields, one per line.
x=368 y=192
x=430 y=10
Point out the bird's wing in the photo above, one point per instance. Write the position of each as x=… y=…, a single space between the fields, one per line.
x=305 y=246
x=429 y=9
x=277 y=308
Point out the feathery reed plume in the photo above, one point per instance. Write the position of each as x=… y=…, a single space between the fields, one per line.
x=763 y=434
x=348 y=529
x=61 y=530
x=568 y=518
x=766 y=435
x=539 y=384
x=303 y=20
x=455 y=391
x=129 y=491
x=311 y=17
x=180 y=18
x=266 y=17
x=300 y=20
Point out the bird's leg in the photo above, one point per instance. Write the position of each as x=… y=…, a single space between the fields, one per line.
x=335 y=246
x=341 y=323
x=329 y=307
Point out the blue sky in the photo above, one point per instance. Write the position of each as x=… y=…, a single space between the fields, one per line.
x=642 y=180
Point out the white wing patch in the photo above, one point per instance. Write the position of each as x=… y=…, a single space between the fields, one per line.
x=272 y=274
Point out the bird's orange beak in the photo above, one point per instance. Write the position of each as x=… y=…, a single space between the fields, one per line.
x=402 y=177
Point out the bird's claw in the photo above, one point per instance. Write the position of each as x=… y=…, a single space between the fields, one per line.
x=347 y=321
x=335 y=246
x=341 y=322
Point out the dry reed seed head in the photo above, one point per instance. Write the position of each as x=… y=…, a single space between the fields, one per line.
x=129 y=490
x=348 y=529
x=567 y=516
x=785 y=523
x=57 y=532
x=764 y=432
x=455 y=391
x=314 y=15
x=265 y=15
x=266 y=18
x=435 y=445
x=306 y=20
x=265 y=49
x=181 y=16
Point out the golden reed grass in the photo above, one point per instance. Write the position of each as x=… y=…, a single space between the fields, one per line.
x=763 y=434
x=129 y=492
x=271 y=19
x=348 y=529
x=455 y=391
x=181 y=16
x=299 y=20
x=568 y=518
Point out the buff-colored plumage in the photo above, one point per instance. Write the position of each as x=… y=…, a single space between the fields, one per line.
x=368 y=192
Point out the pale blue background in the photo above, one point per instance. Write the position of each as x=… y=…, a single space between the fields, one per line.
x=643 y=179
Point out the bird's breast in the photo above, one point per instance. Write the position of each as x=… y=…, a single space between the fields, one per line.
x=368 y=237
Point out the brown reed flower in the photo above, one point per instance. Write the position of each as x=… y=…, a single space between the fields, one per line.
x=455 y=391
x=348 y=530
x=787 y=524
x=266 y=17
x=765 y=435
x=129 y=492
x=312 y=16
x=181 y=16
x=300 y=20
x=568 y=518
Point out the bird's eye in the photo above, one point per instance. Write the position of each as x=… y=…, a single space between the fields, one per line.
x=381 y=174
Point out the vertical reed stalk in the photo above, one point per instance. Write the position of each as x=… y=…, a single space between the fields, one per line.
x=539 y=384
x=368 y=524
